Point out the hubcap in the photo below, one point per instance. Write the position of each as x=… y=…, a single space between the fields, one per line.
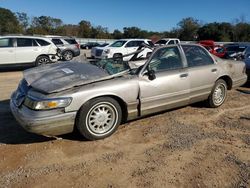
x=219 y=94
x=102 y=118
x=43 y=61
x=68 y=56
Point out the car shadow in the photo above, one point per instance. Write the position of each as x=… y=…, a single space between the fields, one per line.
x=12 y=133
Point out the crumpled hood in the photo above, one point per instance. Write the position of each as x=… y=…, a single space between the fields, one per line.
x=61 y=76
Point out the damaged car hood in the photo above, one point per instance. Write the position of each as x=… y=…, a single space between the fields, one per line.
x=61 y=76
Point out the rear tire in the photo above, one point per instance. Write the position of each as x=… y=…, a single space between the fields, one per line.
x=67 y=55
x=218 y=94
x=42 y=60
x=99 y=118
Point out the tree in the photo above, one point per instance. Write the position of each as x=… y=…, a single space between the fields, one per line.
x=100 y=32
x=132 y=32
x=117 y=34
x=85 y=29
x=8 y=22
x=23 y=20
x=188 y=28
x=216 y=31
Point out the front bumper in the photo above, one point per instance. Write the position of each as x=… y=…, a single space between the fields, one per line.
x=42 y=122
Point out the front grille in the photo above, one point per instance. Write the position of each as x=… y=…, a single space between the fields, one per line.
x=98 y=52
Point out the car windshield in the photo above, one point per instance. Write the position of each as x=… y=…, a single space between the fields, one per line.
x=118 y=43
x=112 y=66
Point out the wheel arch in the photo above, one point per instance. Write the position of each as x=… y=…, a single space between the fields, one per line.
x=120 y=101
x=228 y=81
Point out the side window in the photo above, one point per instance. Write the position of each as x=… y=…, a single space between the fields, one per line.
x=34 y=43
x=166 y=59
x=42 y=42
x=57 y=41
x=150 y=43
x=197 y=56
x=130 y=44
x=24 y=42
x=171 y=42
x=176 y=41
x=6 y=42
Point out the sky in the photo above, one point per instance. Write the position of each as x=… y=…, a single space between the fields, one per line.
x=152 y=15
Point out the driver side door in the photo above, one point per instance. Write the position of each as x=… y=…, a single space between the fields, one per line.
x=171 y=85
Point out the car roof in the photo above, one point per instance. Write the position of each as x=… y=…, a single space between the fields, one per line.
x=23 y=36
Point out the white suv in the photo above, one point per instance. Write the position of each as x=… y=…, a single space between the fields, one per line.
x=23 y=50
x=123 y=47
x=167 y=41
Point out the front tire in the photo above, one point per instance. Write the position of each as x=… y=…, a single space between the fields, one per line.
x=218 y=94
x=99 y=118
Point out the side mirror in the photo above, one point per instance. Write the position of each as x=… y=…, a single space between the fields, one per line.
x=151 y=74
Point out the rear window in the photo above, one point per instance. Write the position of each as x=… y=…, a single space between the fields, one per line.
x=42 y=42
x=6 y=42
x=161 y=42
x=71 y=41
x=57 y=41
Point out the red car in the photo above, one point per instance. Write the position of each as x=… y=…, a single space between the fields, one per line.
x=210 y=45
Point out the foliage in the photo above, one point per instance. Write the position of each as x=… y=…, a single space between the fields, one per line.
x=8 y=22
x=189 y=29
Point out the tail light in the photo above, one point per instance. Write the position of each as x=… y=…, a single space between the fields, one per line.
x=78 y=46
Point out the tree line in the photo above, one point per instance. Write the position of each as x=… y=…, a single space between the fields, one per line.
x=188 y=29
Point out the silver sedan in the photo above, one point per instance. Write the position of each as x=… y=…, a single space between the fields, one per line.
x=96 y=97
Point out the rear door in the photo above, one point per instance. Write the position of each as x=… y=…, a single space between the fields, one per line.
x=27 y=50
x=7 y=51
x=202 y=70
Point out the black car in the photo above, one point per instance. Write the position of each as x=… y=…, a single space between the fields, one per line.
x=89 y=45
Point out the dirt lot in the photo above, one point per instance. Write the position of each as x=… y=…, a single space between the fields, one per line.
x=192 y=146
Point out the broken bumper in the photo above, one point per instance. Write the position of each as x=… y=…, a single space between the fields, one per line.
x=43 y=122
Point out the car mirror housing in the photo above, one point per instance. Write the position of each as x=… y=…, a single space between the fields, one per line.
x=150 y=74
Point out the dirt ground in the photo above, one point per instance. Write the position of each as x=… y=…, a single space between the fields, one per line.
x=192 y=146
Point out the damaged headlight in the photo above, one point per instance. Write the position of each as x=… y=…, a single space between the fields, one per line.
x=37 y=104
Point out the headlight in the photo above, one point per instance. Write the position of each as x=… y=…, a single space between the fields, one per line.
x=47 y=104
x=107 y=51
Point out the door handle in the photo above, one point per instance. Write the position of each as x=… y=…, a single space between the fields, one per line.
x=214 y=70
x=185 y=75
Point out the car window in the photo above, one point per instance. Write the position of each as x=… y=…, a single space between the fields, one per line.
x=134 y=43
x=34 y=43
x=118 y=43
x=42 y=42
x=166 y=59
x=150 y=43
x=6 y=42
x=24 y=42
x=71 y=41
x=161 y=42
x=171 y=42
x=197 y=56
x=176 y=41
x=57 y=41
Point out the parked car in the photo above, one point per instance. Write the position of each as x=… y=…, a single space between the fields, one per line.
x=26 y=50
x=89 y=45
x=100 y=47
x=123 y=47
x=246 y=55
x=96 y=98
x=68 y=46
x=217 y=50
x=166 y=41
x=234 y=51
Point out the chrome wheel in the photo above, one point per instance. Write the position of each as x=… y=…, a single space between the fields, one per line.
x=102 y=118
x=219 y=94
x=68 y=55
